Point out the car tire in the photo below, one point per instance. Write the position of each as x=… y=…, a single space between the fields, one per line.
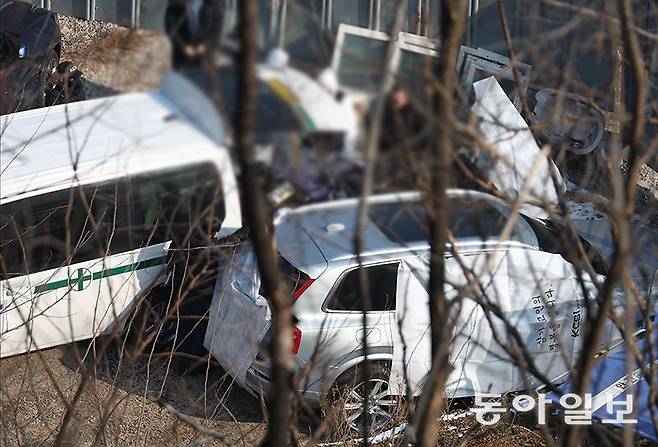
x=346 y=400
x=146 y=328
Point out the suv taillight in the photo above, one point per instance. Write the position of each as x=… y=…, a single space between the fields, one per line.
x=263 y=354
x=302 y=288
x=296 y=340
x=297 y=280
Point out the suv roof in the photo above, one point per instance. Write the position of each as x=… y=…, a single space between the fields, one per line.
x=311 y=236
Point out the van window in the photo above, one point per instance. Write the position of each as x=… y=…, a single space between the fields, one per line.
x=273 y=114
x=75 y=225
x=382 y=282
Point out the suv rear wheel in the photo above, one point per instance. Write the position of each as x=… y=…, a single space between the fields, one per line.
x=348 y=397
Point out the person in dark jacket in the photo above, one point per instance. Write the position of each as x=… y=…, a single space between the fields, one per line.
x=402 y=141
x=402 y=123
x=194 y=27
x=30 y=45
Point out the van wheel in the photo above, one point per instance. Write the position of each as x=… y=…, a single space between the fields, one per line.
x=194 y=355
x=348 y=397
x=158 y=327
x=147 y=328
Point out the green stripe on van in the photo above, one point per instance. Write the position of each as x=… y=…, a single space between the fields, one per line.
x=80 y=279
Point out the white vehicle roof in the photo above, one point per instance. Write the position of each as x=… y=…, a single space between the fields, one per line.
x=311 y=236
x=52 y=148
x=45 y=148
x=321 y=108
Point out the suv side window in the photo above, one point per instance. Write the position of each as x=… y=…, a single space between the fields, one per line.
x=475 y=219
x=83 y=223
x=382 y=284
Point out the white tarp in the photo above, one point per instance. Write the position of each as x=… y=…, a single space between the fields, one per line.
x=537 y=292
x=237 y=323
x=503 y=127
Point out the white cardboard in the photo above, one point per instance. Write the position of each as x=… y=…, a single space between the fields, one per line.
x=537 y=292
x=504 y=127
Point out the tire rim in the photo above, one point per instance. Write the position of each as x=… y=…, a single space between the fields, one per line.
x=382 y=407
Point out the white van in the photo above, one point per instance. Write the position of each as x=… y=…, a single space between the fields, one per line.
x=94 y=196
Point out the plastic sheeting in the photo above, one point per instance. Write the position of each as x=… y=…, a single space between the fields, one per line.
x=237 y=322
x=503 y=127
x=538 y=294
x=611 y=382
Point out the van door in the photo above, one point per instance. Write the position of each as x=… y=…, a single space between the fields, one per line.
x=15 y=299
x=76 y=261
x=84 y=299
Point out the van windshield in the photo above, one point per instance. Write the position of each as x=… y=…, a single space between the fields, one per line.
x=273 y=114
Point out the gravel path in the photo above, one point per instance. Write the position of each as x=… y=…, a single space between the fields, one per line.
x=113 y=58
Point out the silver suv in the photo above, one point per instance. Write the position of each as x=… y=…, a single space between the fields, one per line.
x=316 y=248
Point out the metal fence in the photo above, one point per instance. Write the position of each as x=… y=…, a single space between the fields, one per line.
x=133 y=13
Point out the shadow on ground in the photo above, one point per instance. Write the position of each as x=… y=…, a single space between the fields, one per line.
x=208 y=392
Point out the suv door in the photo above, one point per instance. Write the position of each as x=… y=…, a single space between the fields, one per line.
x=412 y=365
x=341 y=335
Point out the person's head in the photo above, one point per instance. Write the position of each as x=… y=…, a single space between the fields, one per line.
x=278 y=58
x=399 y=98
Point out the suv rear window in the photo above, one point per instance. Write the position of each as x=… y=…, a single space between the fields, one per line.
x=382 y=285
x=294 y=277
x=407 y=223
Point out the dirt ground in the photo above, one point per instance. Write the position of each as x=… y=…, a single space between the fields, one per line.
x=149 y=402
